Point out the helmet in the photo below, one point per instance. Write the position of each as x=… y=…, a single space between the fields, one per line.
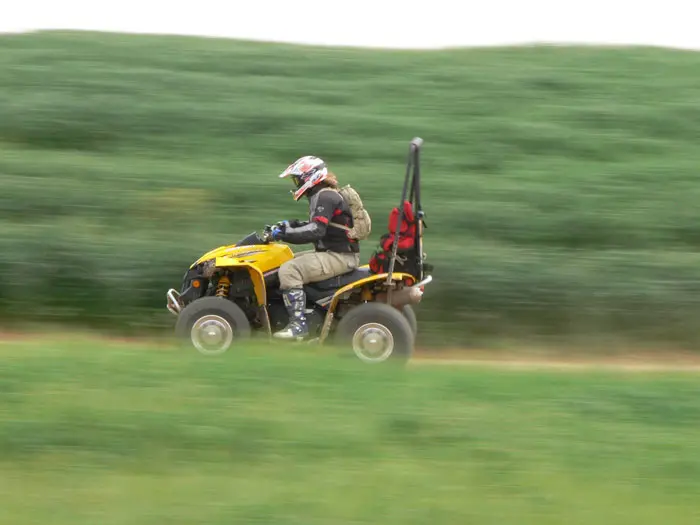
x=306 y=172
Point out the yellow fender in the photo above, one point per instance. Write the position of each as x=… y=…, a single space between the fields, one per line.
x=256 y=259
x=380 y=277
x=256 y=276
x=373 y=278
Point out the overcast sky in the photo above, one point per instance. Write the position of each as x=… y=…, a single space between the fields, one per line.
x=376 y=23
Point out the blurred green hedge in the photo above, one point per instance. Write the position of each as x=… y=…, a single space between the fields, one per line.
x=560 y=184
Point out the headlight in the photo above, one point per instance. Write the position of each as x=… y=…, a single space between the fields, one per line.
x=208 y=268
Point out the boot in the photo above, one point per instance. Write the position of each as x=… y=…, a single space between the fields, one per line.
x=295 y=301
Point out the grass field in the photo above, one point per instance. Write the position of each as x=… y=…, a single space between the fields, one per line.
x=120 y=434
x=560 y=183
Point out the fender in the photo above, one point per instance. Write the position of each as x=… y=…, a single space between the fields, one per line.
x=257 y=260
x=256 y=276
x=360 y=284
x=395 y=277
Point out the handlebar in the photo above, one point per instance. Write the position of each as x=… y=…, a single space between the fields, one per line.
x=266 y=235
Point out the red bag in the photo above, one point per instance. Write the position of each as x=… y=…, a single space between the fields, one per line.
x=379 y=261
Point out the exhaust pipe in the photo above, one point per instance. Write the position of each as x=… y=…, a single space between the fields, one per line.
x=410 y=295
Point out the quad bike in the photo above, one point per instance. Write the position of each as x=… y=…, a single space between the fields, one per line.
x=232 y=292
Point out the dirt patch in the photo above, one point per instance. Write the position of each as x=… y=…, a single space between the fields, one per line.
x=632 y=360
x=532 y=364
x=629 y=360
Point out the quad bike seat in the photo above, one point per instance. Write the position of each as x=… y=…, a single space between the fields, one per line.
x=341 y=280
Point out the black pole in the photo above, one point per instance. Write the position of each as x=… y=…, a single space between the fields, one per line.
x=418 y=211
x=415 y=144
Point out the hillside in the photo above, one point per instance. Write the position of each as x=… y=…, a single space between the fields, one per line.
x=560 y=183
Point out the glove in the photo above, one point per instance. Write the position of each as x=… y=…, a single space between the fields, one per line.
x=282 y=224
x=276 y=232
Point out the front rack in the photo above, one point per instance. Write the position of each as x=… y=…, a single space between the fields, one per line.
x=174 y=303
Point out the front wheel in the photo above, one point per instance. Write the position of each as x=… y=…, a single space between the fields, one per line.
x=212 y=324
x=376 y=332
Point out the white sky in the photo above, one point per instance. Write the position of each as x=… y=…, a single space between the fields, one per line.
x=376 y=23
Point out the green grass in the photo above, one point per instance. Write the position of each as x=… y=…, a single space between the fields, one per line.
x=560 y=183
x=116 y=434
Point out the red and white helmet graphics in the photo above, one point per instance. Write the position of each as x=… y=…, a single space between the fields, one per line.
x=307 y=171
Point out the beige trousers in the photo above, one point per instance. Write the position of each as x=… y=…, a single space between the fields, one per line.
x=310 y=266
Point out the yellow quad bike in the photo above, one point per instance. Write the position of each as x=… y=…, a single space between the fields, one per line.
x=232 y=292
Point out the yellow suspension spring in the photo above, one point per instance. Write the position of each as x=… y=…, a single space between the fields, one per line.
x=223 y=286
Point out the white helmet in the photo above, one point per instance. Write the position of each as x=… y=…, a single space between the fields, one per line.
x=306 y=172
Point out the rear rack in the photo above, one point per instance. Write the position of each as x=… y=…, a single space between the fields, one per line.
x=411 y=179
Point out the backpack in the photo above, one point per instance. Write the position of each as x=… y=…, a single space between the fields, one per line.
x=362 y=223
x=406 y=259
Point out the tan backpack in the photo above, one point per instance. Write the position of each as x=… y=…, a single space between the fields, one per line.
x=362 y=223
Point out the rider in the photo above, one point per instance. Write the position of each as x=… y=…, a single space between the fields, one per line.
x=334 y=252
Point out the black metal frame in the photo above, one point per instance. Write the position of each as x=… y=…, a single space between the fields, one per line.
x=412 y=179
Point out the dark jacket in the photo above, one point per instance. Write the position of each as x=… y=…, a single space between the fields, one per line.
x=325 y=207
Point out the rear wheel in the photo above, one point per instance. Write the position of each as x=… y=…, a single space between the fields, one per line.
x=410 y=316
x=376 y=333
x=212 y=325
